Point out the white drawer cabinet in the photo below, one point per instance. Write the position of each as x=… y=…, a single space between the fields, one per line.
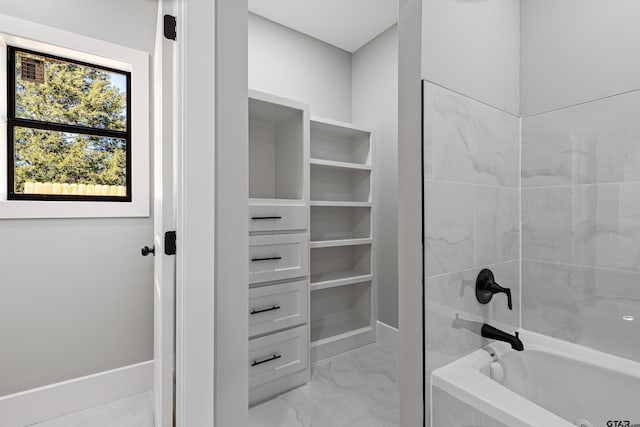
x=278 y=260
x=277 y=355
x=277 y=307
x=265 y=218
x=278 y=257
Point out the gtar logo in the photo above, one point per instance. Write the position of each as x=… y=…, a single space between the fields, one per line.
x=621 y=423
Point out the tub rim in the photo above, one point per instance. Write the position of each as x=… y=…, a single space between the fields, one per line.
x=463 y=379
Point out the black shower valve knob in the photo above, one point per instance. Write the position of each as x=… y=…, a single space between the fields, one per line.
x=486 y=287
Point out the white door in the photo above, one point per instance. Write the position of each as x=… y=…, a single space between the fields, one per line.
x=164 y=221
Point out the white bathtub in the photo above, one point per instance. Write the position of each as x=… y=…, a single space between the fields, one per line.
x=551 y=383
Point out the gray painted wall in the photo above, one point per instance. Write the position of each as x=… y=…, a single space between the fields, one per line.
x=287 y=63
x=578 y=50
x=231 y=347
x=473 y=47
x=129 y=23
x=76 y=297
x=375 y=105
x=410 y=212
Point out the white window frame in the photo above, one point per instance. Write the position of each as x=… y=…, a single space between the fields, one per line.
x=28 y=35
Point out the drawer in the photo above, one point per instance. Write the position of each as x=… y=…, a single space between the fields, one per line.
x=277 y=218
x=277 y=355
x=276 y=307
x=278 y=257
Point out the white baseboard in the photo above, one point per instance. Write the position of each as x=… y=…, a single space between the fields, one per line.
x=388 y=337
x=43 y=403
x=341 y=343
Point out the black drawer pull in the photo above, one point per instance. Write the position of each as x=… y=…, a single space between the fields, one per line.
x=275 y=307
x=266 y=217
x=265 y=259
x=274 y=357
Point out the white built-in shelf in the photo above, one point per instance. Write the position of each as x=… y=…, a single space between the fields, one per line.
x=342 y=242
x=337 y=324
x=333 y=223
x=341 y=204
x=339 y=184
x=337 y=310
x=338 y=278
x=339 y=165
x=343 y=305
x=341 y=142
x=279 y=202
x=340 y=262
x=278 y=222
x=277 y=136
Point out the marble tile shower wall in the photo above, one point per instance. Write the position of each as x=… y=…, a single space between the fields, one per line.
x=581 y=224
x=472 y=178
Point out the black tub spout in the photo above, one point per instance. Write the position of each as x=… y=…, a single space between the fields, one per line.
x=489 y=331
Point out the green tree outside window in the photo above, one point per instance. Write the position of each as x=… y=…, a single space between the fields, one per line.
x=77 y=95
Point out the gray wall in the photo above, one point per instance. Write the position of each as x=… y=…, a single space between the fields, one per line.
x=473 y=47
x=129 y=23
x=375 y=105
x=410 y=302
x=287 y=63
x=578 y=50
x=530 y=56
x=76 y=297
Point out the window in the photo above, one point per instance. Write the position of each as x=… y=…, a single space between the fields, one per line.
x=68 y=129
x=58 y=157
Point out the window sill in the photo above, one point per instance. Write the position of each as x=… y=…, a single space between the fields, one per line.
x=32 y=209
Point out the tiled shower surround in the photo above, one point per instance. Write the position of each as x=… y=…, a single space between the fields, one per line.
x=472 y=161
x=568 y=180
x=581 y=224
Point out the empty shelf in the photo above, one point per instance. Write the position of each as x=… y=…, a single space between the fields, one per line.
x=338 y=278
x=339 y=165
x=341 y=204
x=342 y=242
x=335 y=326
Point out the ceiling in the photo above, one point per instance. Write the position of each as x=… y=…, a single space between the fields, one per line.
x=347 y=24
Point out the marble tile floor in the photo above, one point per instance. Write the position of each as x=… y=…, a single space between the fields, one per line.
x=356 y=388
x=134 y=411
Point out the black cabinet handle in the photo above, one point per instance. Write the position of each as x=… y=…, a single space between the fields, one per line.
x=265 y=217
x=265 y=259
x=275 y=307
x=274 y=357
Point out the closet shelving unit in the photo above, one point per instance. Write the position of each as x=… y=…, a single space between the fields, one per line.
x=342 y=246
x=278 y=261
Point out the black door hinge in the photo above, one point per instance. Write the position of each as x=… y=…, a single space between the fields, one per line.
x=170 y=27
x=170 y=243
